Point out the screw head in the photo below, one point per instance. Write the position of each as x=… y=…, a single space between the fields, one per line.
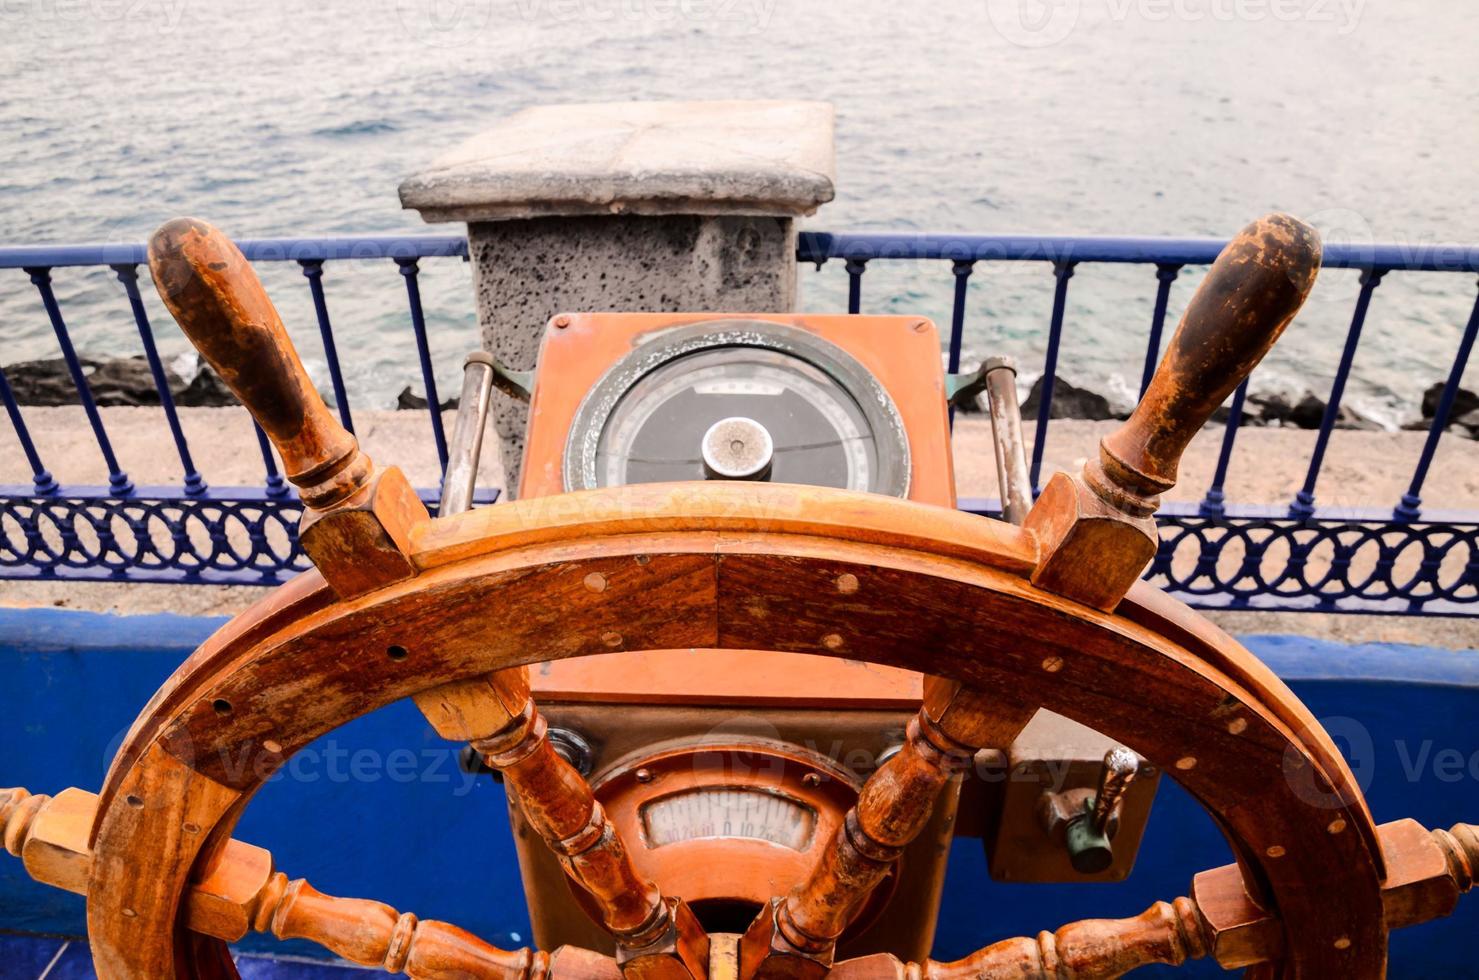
x=561 y=322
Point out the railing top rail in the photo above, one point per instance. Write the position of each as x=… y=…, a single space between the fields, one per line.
x=817 y=246
x=320 y=249
x=812 y=246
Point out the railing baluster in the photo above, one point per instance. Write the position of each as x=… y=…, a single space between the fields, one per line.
x=275 y=485
x=1411 y=504
x=313 y=269
x=961 y=269
x=1212 y=503
x=118 y=481
x=1165 y=275
x=1063 y=271
x=409 y=270
x=855 y=269
x=44 y=482
x=1304 y=500
x=128 y=274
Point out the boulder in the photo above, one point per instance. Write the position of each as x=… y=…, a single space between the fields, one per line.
x=408 y=400
x=118 y=381
x=205 y=390
x=1464 y=402
x=1309 y=412
x=1069 y=402
x=1268 y=408
x=121 y=381
x=1466 y=424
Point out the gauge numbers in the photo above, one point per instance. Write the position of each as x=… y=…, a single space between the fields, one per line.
x=712 y=812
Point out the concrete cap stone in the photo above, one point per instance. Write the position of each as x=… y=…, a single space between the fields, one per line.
x=727 y=157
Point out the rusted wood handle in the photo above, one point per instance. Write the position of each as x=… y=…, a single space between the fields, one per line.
x=1251 y=293
x=219 y=302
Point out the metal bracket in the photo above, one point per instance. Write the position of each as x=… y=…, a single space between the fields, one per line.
x=514 y=384
x=961 y=390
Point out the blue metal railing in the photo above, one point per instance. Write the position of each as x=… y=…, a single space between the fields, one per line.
x=191 y=533
x=1215 y=554
x=1397 y=560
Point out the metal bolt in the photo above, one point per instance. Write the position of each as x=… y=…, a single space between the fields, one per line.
x=643 y=775
x=811 y=779
x=561 y=322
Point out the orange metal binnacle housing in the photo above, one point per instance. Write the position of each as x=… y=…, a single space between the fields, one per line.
x=901 y=352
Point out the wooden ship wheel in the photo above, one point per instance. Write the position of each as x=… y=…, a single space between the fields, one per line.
x=735 y=549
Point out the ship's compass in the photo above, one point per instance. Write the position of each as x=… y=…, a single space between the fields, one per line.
x=771 y=653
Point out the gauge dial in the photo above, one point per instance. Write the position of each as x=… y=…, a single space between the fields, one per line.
x=827 y=422
x=729 y=812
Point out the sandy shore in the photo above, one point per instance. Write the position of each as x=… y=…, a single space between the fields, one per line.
x=1362 y=469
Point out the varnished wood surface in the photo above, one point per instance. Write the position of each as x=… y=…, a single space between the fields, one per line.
x=770 y=583
x=216 y=297
x=242 y=891
x=1094 y=529
x=1259 y=281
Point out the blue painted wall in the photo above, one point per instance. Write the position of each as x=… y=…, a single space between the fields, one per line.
x=379 y=809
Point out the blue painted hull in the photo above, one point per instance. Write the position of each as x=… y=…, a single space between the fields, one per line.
x=380 y=810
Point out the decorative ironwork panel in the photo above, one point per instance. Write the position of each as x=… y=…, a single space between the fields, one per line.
x=1322 y=565
x=246 y=539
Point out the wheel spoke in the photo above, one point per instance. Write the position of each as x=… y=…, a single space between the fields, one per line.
x=796 y=937
x=243 y=893
x=497 y=715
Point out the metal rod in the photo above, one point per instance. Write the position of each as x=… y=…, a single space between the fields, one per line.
x=961 y=269
x=41 y=478
x=276 y=487
x=460 y=479
x=118 y=480
x=1165 y=275
x=129 y=276
x=409 y=270
x=1212 y=503
x=1063 y=271
x=1411 y=504
x=313 y=269
x=1304 y=500
x=1120 y=768
x=1012 y=479
x=855 y=269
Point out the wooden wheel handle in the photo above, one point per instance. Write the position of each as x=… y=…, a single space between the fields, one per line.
x=219 y=302
x=1253 y=290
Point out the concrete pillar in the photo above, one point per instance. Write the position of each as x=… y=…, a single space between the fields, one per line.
x=634 y=206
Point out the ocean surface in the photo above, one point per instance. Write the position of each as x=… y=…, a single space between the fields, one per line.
x=1149 y=117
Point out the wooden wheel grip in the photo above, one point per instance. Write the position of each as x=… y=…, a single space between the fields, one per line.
x=220 y=304
x=1253 y=290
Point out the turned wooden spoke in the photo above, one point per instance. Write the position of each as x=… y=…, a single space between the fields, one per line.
x=357 y=531
x=1095 y=528
x=357 y=521
x=1430 y=869
x=560 y=806
x=797 y=935
x=374 y=934
x=244 y=893
x=497 y=716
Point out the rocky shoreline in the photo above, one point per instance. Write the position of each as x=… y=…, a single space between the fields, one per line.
x=129 y=382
